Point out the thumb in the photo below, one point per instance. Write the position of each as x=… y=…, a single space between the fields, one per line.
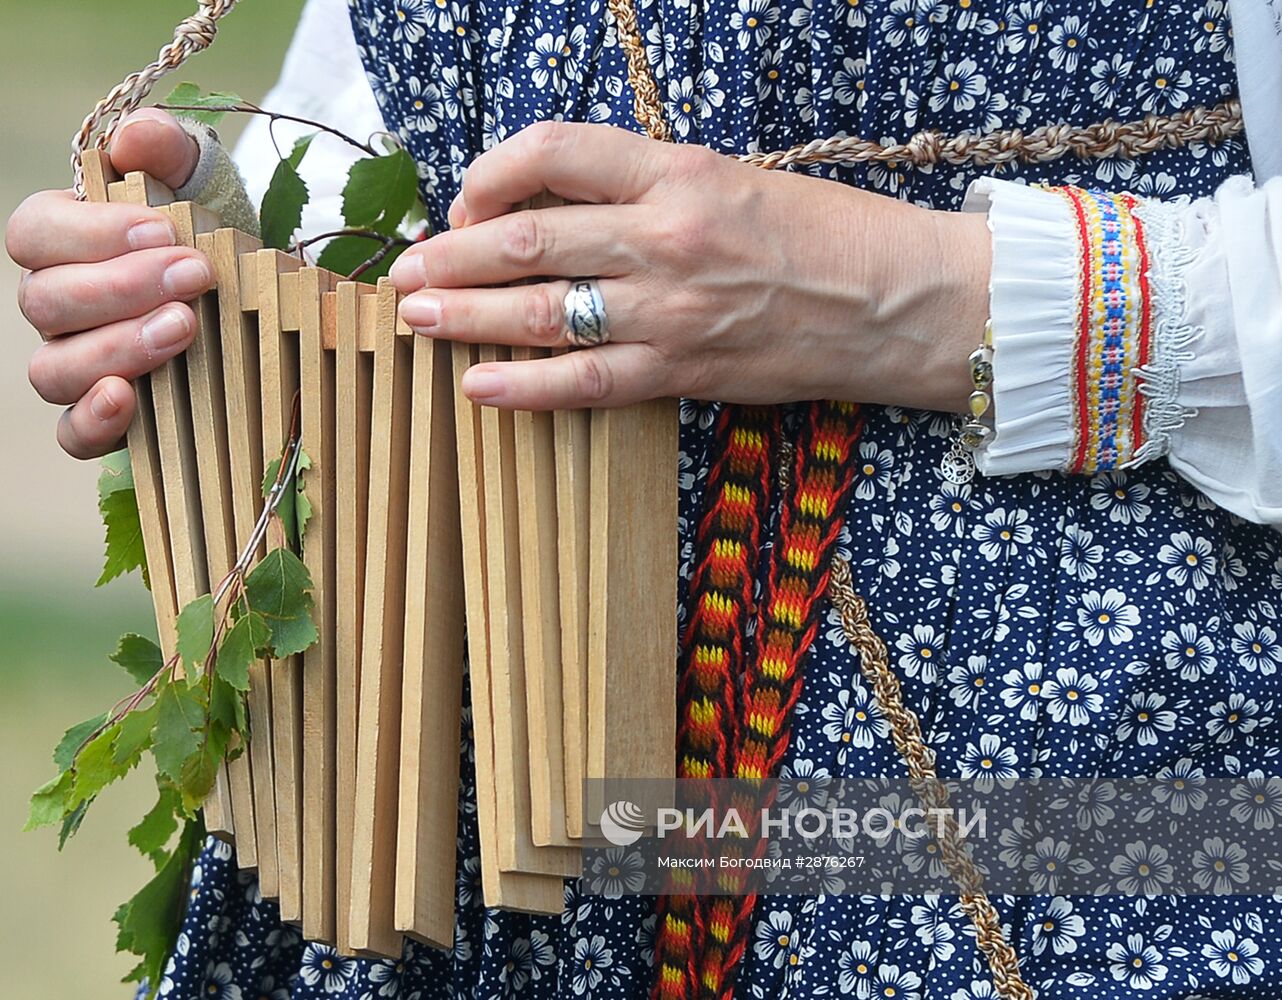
x=152 y=141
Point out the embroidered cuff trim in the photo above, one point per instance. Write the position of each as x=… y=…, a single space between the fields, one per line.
x=1114 y=331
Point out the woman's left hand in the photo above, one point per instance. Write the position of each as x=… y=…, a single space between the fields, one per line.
x=720 y=280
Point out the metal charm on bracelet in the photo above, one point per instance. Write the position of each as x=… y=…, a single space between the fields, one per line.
x=585 y=318
x=958 y=465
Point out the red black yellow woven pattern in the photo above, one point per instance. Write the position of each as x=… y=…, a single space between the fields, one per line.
x=810 y=521
x=728 y=550
x=748 y=698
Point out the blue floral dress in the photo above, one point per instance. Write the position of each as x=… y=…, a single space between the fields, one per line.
x=1118 y=625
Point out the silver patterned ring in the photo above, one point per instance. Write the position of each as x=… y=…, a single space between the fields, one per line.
x=585 y=318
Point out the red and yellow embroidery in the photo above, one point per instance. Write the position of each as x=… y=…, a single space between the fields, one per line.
x=1114 y=325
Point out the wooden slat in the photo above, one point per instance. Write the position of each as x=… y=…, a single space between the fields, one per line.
x=427 y=814
x=517 y=851
x=531 y=893
x=573 y=448
x=354 y=381
x=175 y=439
x=144 y=458
x=632 y=625
x=316 y=310
x=99 y=174
x=279 y=371
x=195 y=226
x=250 y=774
x=174 y=435
x=541 y=618
x=378 y=736
x=138 y=188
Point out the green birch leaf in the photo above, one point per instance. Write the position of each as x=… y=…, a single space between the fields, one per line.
x=135 y=735
x=64 y=755
x=380 y=190
x=71 y=823
x=49 y=801
x=301 y=146
x=123 y=550
x=285 y=509
x=124 y=544
x=237 y=650
x=196 y=630
x=294 y=511
x=117 y=474
x=282 y=208
x=191 y=95
x=302 y=506
x=198 y=774
x=156 y=828
x=227 y=707
x=303 y=513
x=346 y=253
x=149 y=922
x=178 y=717
x=96 y=766
x=139 y=656
x=279 y=589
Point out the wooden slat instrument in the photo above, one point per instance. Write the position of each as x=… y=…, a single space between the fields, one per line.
x=552 y=535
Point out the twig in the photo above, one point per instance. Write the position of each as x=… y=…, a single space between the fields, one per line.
x=253 y=109
x=365 y=234
x=379 y=255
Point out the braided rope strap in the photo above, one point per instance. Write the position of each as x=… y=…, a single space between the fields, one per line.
x=1046 y=144
x=193 y=34
x=905 y=730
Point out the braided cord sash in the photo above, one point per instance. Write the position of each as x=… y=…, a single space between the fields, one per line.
x=721 y=590
x=810 y=521
x=905 y=732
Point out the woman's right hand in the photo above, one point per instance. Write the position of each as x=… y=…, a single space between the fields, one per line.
x=106 y=288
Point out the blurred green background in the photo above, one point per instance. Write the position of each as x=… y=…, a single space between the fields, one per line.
x=56 y=935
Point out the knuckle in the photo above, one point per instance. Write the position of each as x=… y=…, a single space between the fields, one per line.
x=693 y=163
x=524 y=239
x=593 y=379
x=36 y=303
x=46 y=375
x=685 y=236
x=22 y=233
x=16 y=234
x=73 y=443
x=546 y=138
x=437 y=261
x=542 y=316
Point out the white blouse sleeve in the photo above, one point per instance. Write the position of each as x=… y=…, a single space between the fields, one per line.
x=1212 y=381
x=322 y=80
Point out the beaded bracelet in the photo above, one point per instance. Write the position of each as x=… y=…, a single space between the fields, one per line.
x=958 y=465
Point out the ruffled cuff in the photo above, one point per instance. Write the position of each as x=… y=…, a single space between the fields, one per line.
x=1034 y=310
x=216 y=183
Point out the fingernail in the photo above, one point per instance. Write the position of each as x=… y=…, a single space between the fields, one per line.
x=144 y=115
x=186 y=278
x=150 y=234
x=457 y=213
x=422 y=313
x=164 y=332
x=103 y=406
x=409 y=271
x=483 y=385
